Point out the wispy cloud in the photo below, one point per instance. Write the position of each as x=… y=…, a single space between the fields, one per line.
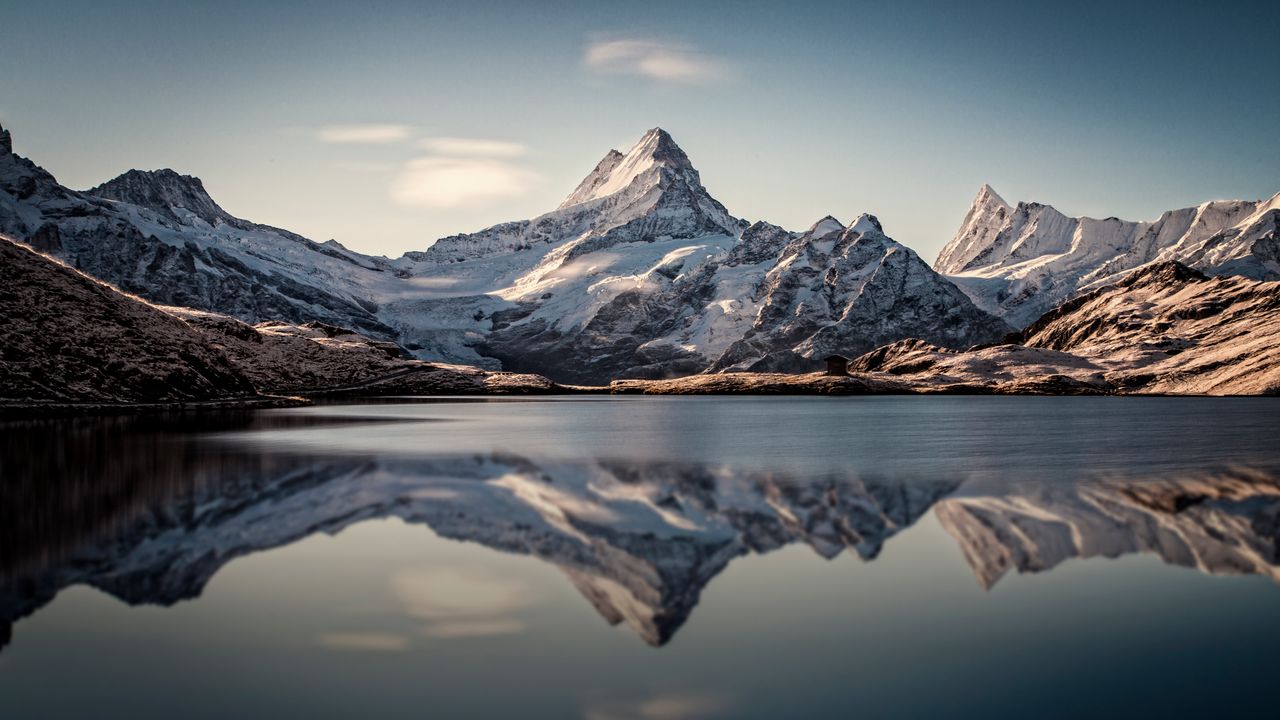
x=368 y=134
x=367 y=642
x=664 y=706
x=449 y=172
x=446 y=182
x=472 y=147
x=654 y=59
x=463 y=172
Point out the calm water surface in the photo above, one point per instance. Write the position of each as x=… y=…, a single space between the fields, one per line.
x=646 y=558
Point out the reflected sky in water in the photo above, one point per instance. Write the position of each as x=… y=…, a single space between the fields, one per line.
x=646 y=558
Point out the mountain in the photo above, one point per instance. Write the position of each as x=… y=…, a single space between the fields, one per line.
x=1163 y=329
x=845 y=290
x=653 y=191
x=1020 y=261
x=159 y=235
x=70 y=338
x=640 y=272
x=317 y=358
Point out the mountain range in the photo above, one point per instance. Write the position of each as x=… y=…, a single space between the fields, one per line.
x=1021 y=261
x=639 y=273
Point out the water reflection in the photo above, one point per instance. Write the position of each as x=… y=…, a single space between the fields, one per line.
x=137 y=509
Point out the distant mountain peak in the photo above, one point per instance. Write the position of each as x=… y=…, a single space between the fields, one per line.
x=166 y=192
x=866 y=223
x=1019 y=262
x=828 y=224
x=6 y=141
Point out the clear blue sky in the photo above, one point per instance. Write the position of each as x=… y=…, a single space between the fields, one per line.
x=387 y=125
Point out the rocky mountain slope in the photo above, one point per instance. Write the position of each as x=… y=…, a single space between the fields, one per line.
x=1162 y=329
x=70 y=338
x=638 y=273
x=1021 y=261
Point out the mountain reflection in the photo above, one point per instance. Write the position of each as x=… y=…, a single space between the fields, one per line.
x=137 y=509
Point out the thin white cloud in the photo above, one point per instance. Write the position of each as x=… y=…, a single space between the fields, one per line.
x=472 y=147
x=462 y=172
x=473 y=628
x=453 y=182
x=654 y=59
x=665 y=706
x=368 y=134
x=366 y=642
x=359 y=166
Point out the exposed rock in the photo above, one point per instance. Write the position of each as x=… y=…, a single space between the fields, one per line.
x=763 y=383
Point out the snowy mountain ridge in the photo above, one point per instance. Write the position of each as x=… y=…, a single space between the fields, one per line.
x=1019 y=261
x=639 y=273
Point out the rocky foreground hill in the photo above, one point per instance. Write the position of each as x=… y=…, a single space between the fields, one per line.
x=70 y=338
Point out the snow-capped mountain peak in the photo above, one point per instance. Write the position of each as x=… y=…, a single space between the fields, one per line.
x=167 y=193
x=645 y=275
x=865 y=223
x=987 y=195
x=825 y=226
x=651 y=192
x=618 y=171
